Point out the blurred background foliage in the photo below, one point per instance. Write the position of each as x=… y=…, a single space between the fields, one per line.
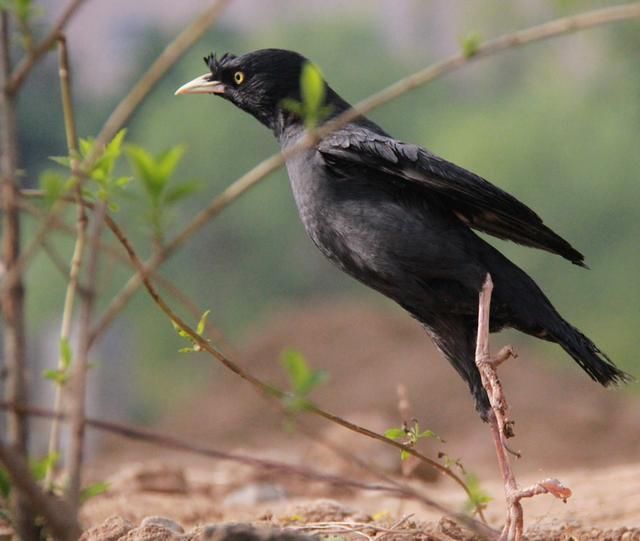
x=556 y=124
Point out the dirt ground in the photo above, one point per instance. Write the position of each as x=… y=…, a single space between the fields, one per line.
x=566 y=427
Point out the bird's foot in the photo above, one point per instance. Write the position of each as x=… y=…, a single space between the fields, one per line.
x=514 y=525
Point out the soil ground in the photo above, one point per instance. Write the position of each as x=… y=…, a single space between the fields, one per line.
x=566 y=427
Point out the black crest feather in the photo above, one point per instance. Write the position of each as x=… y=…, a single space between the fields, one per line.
x=215 y=64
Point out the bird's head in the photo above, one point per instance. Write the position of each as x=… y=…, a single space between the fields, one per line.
x=256 y=82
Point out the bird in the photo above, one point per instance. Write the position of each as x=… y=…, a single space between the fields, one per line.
x=401 y=220
x=404 y=221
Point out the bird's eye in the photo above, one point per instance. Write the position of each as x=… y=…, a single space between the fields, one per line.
x=238 y=77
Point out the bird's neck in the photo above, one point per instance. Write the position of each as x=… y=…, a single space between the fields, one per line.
x=288 y=126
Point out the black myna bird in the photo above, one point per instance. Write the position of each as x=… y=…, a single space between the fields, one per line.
x=400 y=220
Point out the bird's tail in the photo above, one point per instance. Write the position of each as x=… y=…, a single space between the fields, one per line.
x=590 y=358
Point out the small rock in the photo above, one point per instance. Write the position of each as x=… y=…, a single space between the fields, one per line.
x=152 y=532
x=163 y=522
x=111 y=529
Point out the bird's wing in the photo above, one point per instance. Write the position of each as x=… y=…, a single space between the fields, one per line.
x=474 y=200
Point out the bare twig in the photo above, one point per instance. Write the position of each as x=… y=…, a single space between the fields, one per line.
x=266 y=167
x=55 y=511
x=81 y=363
x=120 y=115
x=34 y=55
x=12 y=298
x=78 y=250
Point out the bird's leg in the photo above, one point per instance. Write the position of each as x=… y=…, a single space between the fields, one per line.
x=502 y=427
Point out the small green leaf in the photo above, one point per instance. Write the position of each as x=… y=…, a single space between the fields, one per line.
x=202 y=323
x=53 y=185
x=470 y=44
x=404 y=455
x=93 y=490
x=292 y=105
x=395 y=433
x=57 y=376
x=186 y=350
x=65 y=353
x=312 y=87
x=478 y=498
x=297 y=368
x=39 y=468
x=182 y=191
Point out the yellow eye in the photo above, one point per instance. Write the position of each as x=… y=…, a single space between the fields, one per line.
x=238 y=77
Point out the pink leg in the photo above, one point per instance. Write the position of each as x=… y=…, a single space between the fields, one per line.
x=501 y=427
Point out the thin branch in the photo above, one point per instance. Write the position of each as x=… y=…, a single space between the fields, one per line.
x=266 y=167
x=81 y=364
x=120 y=115
x=55 y=511
x=78 y=250
x=12 y=298
x=33 y=56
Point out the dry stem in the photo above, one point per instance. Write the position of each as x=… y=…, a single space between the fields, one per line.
x=78 y=250
x=12 y=297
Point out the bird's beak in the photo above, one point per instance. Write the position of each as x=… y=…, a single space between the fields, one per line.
x=201 y=85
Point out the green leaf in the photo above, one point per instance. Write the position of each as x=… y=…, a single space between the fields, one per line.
x=39 y=468
x=292 y=105
x=169 y=160
x=395 y=433
x=5 y=484
x=427 y=434
x=478 y=498
x=470 y=44
x=93 y=490
x=404 y=455
x=312 y=87
x=202 y=323
x=297 y=368
x=186 y=189
x=53 y=185
x=65 y=161
x=57 y=376
x=65 y=353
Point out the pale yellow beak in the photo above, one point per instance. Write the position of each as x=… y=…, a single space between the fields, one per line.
x=201 y=85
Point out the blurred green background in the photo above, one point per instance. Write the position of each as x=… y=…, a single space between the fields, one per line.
x=557 y=124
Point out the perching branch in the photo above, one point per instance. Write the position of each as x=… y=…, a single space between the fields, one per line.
x=250 y=179
x=12 y=298
x=34 y=55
